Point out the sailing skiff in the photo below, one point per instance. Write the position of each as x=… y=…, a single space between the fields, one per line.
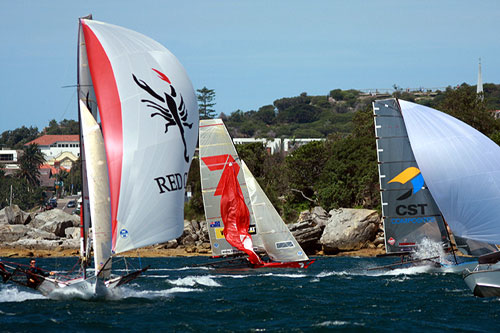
x=241 y=220
x=411 y=215
x=134 y=171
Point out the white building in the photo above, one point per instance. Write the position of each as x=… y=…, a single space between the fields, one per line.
x=277 y=145
x=59 y=149
x=9 y=160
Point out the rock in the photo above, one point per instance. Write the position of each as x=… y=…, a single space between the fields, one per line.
x=206 y=245
x=14 y=215
x=171 y=244
x=12 y=233
x=52 y=216
x=41 y=235
x=307 y=234
x=57 y=228
x=320 y=216
x=188 y=240
x=72 y=232
x=349 y=230
x=379 y=240
x=195 y=225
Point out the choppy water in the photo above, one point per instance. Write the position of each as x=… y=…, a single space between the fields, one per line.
x=333 y=294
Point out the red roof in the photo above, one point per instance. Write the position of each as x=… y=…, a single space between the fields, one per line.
x=47 y=140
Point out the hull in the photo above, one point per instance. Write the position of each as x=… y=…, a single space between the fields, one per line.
x=484 y=281
x=92 y=287
x=433 y=264
x=244 y=263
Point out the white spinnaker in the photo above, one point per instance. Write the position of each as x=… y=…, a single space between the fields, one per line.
x=98 y=185
x=461 y=167
x=278 y=241
x=155 y=158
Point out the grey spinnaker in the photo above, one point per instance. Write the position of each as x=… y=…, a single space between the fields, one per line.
x=409 y=212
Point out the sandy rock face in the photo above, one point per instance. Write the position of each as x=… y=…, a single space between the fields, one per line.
x=349 y=229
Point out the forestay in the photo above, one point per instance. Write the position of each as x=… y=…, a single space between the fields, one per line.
x=277 y=239
x=461 y=168
x=408 y=210
x=149 y=116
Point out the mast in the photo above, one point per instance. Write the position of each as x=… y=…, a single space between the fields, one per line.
x=479 y=90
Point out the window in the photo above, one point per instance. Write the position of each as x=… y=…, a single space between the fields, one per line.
x=6 y=157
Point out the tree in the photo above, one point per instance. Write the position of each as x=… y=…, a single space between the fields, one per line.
x=29 y=164
x=206 y=102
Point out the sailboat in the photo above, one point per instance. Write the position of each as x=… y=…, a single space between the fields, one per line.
x=410 y=213
x=135 y=169
x=243 y=225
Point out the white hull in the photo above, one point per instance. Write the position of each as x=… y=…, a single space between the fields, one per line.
x=484 y=280
x=88 y=288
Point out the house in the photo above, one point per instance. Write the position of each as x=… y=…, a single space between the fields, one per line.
x=9 y=160
x=59 y=150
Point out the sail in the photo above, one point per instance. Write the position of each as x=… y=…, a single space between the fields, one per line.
x=98 y=185
x=86 y=93
x=461 y=168
x=474 y=248
x=278 y=241
x=216 y=152
x=235 y=214
x=409 y=212
x=149 y=117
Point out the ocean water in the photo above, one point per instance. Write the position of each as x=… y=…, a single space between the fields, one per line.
x=333 y=294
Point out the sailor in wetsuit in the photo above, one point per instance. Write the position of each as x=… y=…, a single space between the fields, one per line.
x=35 y=280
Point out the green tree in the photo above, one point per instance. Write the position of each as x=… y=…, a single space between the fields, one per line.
x=206 y=103
x=464 y=104
x=194 y=208
x=29 y=164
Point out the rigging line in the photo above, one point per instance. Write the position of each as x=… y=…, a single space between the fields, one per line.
x=71 y=100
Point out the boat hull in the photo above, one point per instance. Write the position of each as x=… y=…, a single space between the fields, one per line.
x=484 y=282
x=293 y=264
x=92 y=287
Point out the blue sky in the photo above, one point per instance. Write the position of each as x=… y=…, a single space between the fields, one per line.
x=251 y=52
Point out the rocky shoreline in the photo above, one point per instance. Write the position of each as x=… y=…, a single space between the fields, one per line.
x=54 y=233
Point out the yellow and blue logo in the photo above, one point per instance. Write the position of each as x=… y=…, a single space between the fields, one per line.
x=413 y=175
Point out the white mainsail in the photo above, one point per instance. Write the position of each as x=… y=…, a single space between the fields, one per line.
x=98 y=185
x=461 y=167
x=149 y=116
x=216 y=151
x=278 y=241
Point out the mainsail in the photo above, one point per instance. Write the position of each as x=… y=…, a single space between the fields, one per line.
x=149 y=117
x=98 y=185
x=409 y=212
x=278 y=241
x=216 y=153
x=461 y=168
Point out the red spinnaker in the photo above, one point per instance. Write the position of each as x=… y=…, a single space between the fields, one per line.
x=235 y=214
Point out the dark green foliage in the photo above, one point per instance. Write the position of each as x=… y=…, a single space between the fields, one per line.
x=206 y=103
x=464 y=104
x=299 y=114
x=193 y=210
x=23 y=195
x=29 y=164
x=17 y=138
x=266 y=114
x=63 y=128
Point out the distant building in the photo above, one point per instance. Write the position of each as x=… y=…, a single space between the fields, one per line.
x=274 y=146
x=59 y=150
x=9 y=160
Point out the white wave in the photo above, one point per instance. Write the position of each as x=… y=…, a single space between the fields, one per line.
x=293 y=276
x=401 y=271
x=12 y=294
x=194 y=280
x=330 y=323
x=131 y=293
